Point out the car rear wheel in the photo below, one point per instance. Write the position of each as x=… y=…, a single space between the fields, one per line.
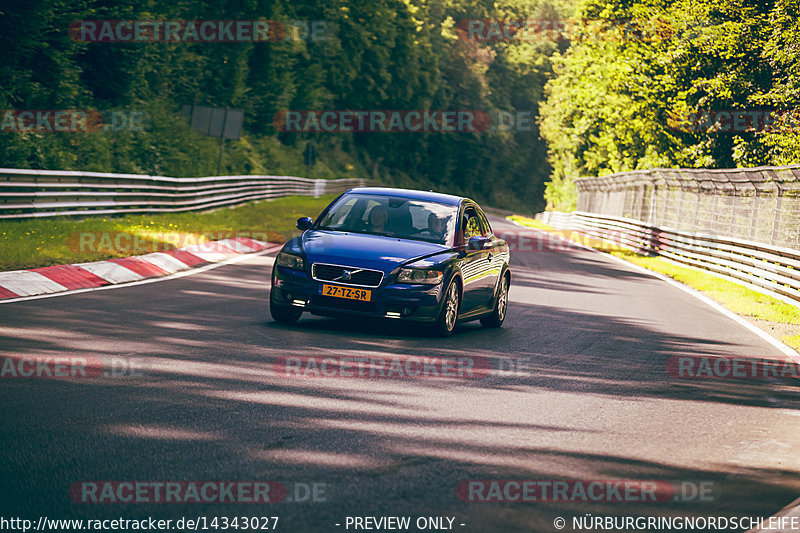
x=283 y=313
x=448 y=316
x=495 y=320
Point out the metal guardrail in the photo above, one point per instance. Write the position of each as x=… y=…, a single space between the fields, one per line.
x=770 y=269
x=759 y=204
x=43 y=193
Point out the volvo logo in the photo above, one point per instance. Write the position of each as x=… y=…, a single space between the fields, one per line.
x=347 y=275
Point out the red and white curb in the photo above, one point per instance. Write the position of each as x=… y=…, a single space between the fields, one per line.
x=63 y=278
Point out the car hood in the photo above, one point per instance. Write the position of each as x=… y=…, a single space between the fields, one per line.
x=363 y=251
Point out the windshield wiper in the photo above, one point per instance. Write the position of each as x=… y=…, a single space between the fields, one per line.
x=361 y=232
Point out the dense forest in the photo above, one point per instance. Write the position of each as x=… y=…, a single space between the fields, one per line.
x=320 y=55
x=563 y=88
x=663 y=85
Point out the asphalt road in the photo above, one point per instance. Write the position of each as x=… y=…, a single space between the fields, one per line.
x=578 y=391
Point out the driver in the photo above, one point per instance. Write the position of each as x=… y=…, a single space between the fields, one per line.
x=436 y=226
x=378 y=217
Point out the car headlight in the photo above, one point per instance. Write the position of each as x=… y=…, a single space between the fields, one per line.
x=421 y=276
x=292 y=261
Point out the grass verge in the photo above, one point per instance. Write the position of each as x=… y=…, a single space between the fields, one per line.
x=32 y=243
x=776 y=317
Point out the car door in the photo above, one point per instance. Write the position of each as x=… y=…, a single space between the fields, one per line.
x=495 y=255
x=474 y=265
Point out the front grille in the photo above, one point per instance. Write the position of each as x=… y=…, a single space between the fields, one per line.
x=341 y=303
x=358 y=276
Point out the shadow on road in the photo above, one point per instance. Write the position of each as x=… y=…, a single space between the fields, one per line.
x=207 y=404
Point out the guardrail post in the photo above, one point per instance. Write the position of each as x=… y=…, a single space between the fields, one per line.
x=319 y=188
x=776 y=218
x=714 y=210
x=652 y=209
x=681 y=201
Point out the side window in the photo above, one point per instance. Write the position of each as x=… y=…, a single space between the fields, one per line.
x=487 y=229
x=472 y=224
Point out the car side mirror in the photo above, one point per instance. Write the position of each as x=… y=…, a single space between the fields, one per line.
x=303 y=223
x=478 y=242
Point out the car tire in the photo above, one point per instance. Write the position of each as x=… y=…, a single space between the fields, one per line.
x=283 y=313
x=495 y=320
x=448 y=316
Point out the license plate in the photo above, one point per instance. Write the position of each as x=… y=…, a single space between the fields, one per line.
x=346 y=292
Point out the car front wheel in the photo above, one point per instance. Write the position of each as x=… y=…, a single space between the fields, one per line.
x=448 y=316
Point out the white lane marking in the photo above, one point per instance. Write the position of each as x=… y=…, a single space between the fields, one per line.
x=25 y=282
x=177 y=275
x=784 y=348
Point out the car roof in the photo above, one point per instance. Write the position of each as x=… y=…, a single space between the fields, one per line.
x=410 y=193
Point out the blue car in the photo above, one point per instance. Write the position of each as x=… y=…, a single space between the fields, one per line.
x=395 y=254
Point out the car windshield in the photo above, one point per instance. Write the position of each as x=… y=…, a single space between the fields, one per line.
x=392 y=216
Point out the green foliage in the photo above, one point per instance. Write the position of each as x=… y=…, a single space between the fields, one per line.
x=612 y=101
x=378 y=55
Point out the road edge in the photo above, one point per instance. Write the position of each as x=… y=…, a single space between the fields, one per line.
x=784 y=348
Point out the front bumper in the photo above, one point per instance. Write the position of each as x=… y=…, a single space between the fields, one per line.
x=420 y=303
